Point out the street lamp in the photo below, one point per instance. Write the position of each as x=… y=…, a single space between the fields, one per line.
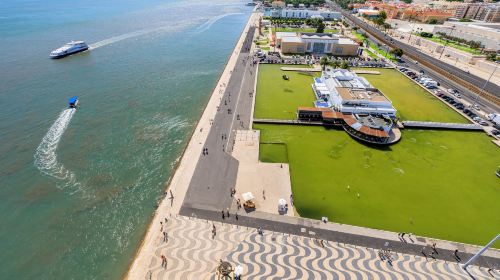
x=480 y=252
x=452 y=28
x=482 y=89
x=412 y=25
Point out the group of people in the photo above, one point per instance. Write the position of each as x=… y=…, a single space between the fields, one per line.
x=433 y=252
x=163 y=230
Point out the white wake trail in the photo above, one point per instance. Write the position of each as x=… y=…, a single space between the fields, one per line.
x=205 y=26
x=168 y=27
x=46 y=157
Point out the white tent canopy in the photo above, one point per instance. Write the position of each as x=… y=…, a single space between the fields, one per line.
x=281 y=202
x=247 y=196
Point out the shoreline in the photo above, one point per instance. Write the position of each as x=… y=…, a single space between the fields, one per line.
x=183 y=169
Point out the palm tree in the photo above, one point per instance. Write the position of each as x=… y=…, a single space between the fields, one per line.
x=335 y=64
x=323 y=62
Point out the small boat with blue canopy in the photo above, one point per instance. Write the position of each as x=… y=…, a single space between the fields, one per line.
x=73 y=102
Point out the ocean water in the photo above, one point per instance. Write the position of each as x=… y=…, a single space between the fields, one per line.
x=78 y=187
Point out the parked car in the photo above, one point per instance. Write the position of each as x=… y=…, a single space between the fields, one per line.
x=483 y=123
x=452 y=91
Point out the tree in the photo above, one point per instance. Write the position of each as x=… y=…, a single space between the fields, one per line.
x=396 y=52
x=382 y=15
x=344 y=65
x=492 y=57
x=320 y=28
x=323 y=62
x=379 y=21
x=432 y=21
x=335 y=63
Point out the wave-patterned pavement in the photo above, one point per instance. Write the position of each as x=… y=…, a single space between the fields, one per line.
x=192 y=253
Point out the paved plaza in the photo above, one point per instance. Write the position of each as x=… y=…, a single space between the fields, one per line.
x=192 y=253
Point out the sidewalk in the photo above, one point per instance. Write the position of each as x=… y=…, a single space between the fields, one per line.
x=180 y=181
x=358 y=236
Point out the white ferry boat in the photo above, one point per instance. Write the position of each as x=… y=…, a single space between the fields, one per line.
x=69 y=49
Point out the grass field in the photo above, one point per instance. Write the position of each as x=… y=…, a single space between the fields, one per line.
x=273 y=152
x=372 y=45
x=412 y=101
x=428 y=184
x=278 y=98
x=305 y=30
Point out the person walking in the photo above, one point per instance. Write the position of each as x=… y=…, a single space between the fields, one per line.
x=163 y=261
x=434 y=248
x=423 y=253
x=455 y=254
x=236 y=216
x=223 y=216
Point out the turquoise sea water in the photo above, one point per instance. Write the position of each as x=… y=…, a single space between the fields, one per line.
x=77 y=188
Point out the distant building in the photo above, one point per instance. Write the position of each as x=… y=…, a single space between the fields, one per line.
x=368 y=12
x=303 y=13
x=278 y=4
x=479 y=11
x=486 y=33
x=425 y=15
x=319 y=43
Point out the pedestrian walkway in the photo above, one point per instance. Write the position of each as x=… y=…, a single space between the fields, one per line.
x=454 y=126
x=192 y=253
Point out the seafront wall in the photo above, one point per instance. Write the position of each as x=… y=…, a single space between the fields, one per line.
x=179 y=182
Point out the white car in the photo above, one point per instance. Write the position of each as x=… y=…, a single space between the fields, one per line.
x=476 y=107
x=452 y=91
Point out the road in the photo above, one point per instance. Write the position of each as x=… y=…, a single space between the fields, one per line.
x=486 y=107
x=216 y=170
x=478 y=82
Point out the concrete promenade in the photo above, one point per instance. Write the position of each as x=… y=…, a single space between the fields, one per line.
x=179 y=183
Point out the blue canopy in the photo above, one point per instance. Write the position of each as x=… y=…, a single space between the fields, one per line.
x=73 y=100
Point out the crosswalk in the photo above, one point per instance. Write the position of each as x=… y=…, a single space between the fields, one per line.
x=192 y=253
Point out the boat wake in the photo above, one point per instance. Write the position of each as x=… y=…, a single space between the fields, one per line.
x=206 y=25
x=142 y=32
x=46 y=157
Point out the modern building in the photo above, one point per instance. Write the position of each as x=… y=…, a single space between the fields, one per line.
x=346 y=92
x=303 y=13
x=479 y=11
x=318 y=43
x=355 y=105
x=486 y=33
x=278 y=4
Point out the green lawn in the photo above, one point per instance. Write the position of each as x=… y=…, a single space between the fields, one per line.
x=454 y=45
x=370 y=53
x=273 y=152
x=278 y=98
x=305 y=30
x=382 y=52
x=440 y=184
x=412 y=101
